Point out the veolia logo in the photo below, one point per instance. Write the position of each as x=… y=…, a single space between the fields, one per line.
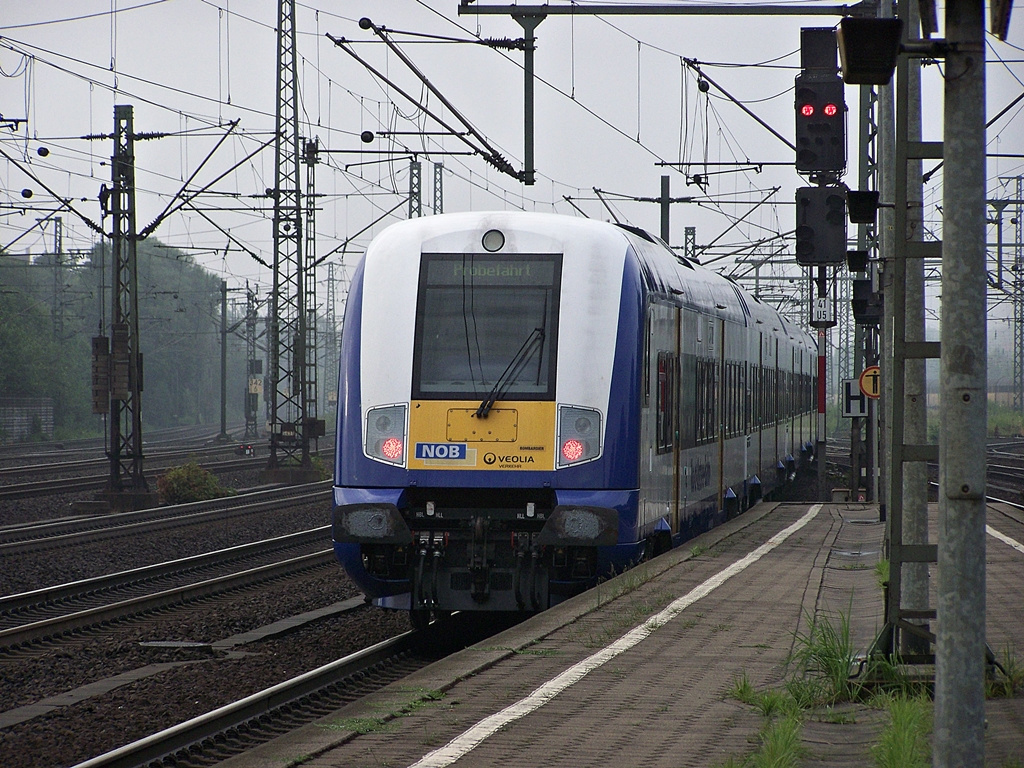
x=490 y=458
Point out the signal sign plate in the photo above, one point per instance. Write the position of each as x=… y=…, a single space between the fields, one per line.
x=871 y=382
x=823 y=312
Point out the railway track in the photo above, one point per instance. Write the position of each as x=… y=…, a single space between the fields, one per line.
x=32 y=537
x=66 y=482
x=1005 y=469
x=52 y=613
x=255 y=719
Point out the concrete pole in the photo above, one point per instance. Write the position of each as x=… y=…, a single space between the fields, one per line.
x=960 y=656
x=914 y=580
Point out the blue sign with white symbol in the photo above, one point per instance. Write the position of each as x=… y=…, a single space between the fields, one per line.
x=450 y=451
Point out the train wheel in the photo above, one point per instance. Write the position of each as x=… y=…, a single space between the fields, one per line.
x=419 y=619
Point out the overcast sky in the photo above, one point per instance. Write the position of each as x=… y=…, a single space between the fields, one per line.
x=613 y=100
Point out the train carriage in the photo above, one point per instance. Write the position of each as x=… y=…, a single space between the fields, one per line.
x=530 y=401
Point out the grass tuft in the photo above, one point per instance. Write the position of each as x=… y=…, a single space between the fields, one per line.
x=780 y=744
x=1010 y=678
x=905 y=742
x=882 y=573
x=826 y=655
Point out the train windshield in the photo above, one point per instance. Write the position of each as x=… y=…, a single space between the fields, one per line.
x=486 y=327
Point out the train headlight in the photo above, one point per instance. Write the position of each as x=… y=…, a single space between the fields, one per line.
x=385 y=434
x=580 y=526
x=370 y=524
x=579 y=435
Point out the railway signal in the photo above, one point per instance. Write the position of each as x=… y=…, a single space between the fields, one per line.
x=820 y=226
x=820 y=123
x=820 y=105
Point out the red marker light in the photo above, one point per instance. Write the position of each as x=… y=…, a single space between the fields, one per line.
x=807 y=110
x=831 y=110
x=572 y=449
x=392 y=448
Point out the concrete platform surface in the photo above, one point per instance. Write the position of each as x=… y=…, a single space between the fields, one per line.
x=640 y=670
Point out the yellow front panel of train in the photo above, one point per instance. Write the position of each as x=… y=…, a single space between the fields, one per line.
x=447 y=434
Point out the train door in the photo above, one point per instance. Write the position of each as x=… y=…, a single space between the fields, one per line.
x=776 y=401
x=661 y=484
x=723 y=398
x=668 y=414
x=759 y=407
x=676 y=416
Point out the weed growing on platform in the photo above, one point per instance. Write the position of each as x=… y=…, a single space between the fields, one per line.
x=743 y=691
x=520 y=651
x=825 y=654
x=698 y=549
x=820 y=677
x=360 y=725
x=882 y=574
x=780 y=743
x=1010 y=677
x=904 y=742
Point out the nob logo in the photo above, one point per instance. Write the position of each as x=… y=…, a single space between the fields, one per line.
x=455 y=451
x=490 y=458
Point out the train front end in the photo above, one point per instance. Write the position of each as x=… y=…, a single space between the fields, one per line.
x=480 y=358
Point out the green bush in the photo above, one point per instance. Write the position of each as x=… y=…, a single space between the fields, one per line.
x=190 y=482
x=1003 y=421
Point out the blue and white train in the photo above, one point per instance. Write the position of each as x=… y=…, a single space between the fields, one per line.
x=530 y=401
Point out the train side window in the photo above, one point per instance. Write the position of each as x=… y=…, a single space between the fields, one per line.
x=666 y=401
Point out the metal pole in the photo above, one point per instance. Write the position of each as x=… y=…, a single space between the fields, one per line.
x=915 y=425
x=665 y=205
x=223 y=437
x=886 y=245
x=960 y=656
x=529 y=24
x=819 y=449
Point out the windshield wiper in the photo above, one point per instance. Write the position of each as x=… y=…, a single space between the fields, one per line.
x=512 y=371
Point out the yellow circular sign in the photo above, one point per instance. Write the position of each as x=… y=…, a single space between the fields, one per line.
x=871 y=382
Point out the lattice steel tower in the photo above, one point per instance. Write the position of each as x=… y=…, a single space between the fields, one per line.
x=1018 y=299
x=126 y=487
x=289 y=428
x=311 y=156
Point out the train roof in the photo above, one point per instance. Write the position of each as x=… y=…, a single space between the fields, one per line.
x=687 y=283
x=671 y=277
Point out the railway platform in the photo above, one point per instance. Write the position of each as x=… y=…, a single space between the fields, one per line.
x=640 y=671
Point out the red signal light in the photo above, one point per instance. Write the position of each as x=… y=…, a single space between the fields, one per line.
x=830 y=110
x=572 y=449
x=807 y=110
x=392 y=448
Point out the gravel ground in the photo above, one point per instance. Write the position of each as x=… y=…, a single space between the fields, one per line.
x=74 y=733
x=77 y=732
x=36 y=570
